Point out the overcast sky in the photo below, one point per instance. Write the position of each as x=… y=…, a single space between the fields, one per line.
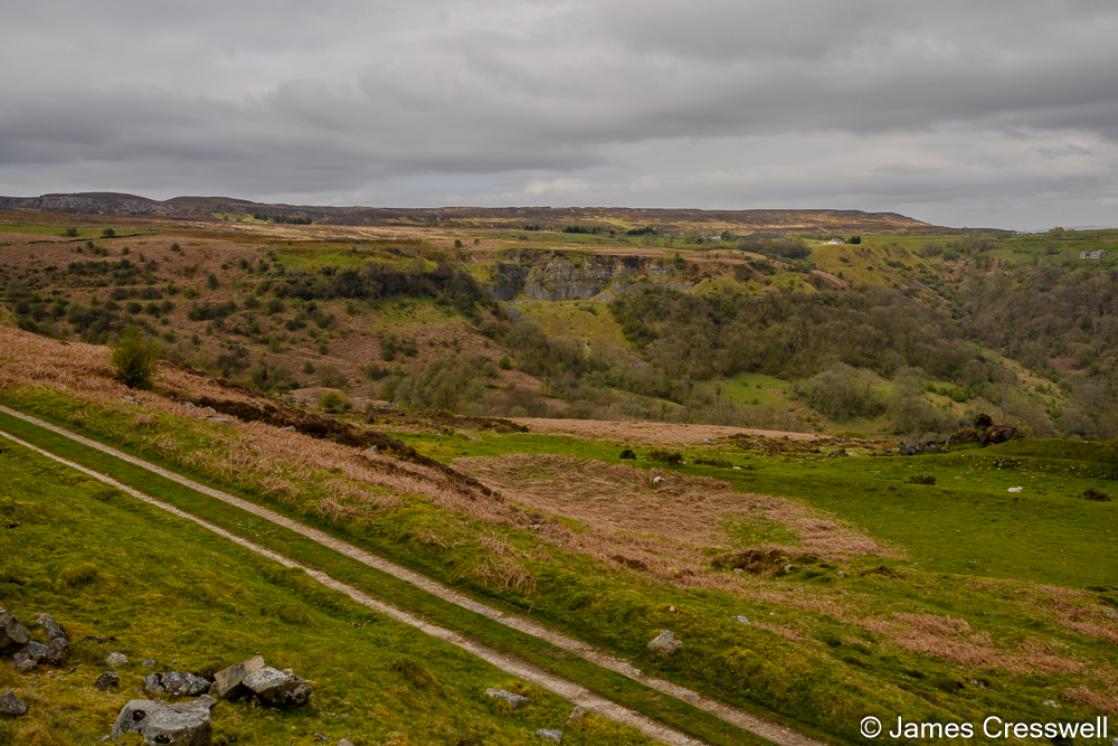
x=962 y=113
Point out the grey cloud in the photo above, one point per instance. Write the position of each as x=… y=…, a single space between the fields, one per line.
x=716 y=103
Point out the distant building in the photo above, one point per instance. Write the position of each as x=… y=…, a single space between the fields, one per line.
x=1092 y=255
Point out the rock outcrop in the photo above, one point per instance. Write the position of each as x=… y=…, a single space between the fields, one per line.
x=282 y=690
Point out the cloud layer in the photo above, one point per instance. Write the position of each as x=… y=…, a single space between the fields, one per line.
x=967 y=114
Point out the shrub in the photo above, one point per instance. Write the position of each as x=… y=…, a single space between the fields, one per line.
x=921 y=479
x=842 y=393
x=332 y=402
x=107 y=233
x=668 y=457
x=628 y=454
x=134 y=357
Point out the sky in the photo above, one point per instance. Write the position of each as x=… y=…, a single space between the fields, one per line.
x=1000 y=113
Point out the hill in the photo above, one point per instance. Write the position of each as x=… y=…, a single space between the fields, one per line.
x=218 y=208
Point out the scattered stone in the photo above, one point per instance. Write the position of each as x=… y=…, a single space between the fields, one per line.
x=550 y=734
x=228 y=682
x=130 y=399
x=657 y=480
x=1015 y=489
x=149 y=662
x=741 y=619
x=1110 y=611
x=516 y=700
x=345 y=742
x=220 y=420
x=12 y=634
x=664 y=643
x=739 y=570
x=12 y=706
x=280 y=689
x=116 y=660
x=1051 y=703
x=288 y=428
x=28 y=659
x=320 y=737
x=106 y=681
x=179 y=724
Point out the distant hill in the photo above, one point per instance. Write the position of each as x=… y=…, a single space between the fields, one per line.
x=211 y=208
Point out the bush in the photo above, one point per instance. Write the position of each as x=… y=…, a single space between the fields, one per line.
x=921 y=479
x=673 y=458
x=1095 y=495
x=108 y=233
x=332 y=402
x=842 y=393
x=134 y=357
x=628 y=454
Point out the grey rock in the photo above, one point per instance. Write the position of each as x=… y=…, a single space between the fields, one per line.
x=516 y=700
x=1051 y=703
x=741 y=619
x=106 y=681
x=149 y=662
x=228 y=682
x=116 y=660
x=220 y=420
x=1110 y=612
x=279 y=689
x=58 y=651
x=345 y=742
x=179 y=724
x=12 y=706
x=177 y=684
x=13 y=635
x=665 y=643
x=550 y=734
x=53 y=629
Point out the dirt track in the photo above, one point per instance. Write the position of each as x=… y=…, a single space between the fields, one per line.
x=569 y=690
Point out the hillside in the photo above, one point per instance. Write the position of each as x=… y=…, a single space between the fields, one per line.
x=896 y=335
x=821 y=579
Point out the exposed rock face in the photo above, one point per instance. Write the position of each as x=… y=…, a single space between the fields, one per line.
x=280 y=689
x=179 y=724
x=664 y=643
x=560 y=276
x=516 y=700
x=228 y=682
x=12 y=706
x=177 y=684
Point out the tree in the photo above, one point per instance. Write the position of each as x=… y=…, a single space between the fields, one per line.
x=134 y=357
x=108 y=233
x=855 y=239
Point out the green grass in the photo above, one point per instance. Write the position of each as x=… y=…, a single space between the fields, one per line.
x=50 y=230
x=402 y=594
x=835 y=669
x=108 y=566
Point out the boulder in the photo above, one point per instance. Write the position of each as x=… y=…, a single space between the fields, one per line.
x=12 y=706
x=29 y=658
x=116 y=660
x=106 y=681
x=179 y=724
x=228 y=682
x=998 y=434
x=13 y=635
x=516 y=700
x=58 y=641
x=177 y=684
x=665 y=643
x=280 y=689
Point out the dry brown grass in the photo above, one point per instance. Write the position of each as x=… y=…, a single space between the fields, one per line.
x=954 y=640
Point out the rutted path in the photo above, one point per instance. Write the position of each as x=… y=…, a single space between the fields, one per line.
x=576 y=693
